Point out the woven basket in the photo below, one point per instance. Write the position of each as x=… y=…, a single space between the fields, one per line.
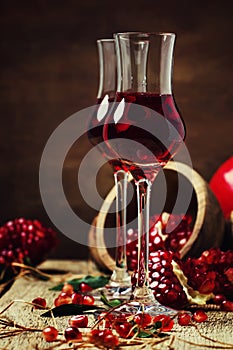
x=209 y=223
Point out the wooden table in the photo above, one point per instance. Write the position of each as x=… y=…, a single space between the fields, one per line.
x=219 y=325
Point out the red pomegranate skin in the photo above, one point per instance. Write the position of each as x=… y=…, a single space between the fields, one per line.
x=222 y=185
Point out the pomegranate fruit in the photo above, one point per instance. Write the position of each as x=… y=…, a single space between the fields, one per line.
x=222 y=185
x=169 y=283
x=159 y=239
x=165 y=284
x=212 y=272
x=25 y=241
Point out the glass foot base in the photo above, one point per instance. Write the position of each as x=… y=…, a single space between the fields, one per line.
x=119 y=286
x=118 y=291
x=152 y=309
x=143 y=295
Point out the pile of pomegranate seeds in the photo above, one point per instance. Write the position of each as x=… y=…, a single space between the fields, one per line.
x=168 y=289
x=173 y=280
x=164 y=282
x=69 y=296
x=24 y=240
x=212 y=272
x=180 y=230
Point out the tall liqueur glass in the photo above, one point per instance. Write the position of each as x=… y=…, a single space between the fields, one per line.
x=120 y=281
x=145 y=131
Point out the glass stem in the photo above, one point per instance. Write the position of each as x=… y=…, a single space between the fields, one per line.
x=120 y=274
x=142 y=291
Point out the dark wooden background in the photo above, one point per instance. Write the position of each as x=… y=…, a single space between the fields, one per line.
x=49 y=70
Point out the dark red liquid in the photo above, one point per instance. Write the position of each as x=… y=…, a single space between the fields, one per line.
x=95 y=135
x=145 y=140
x=95 y=127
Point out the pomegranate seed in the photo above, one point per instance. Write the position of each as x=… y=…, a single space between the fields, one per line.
x=50 y=333
x=98 y=334
x=109 y=316
x=167 y=322
x=56 y=302
x=104 y=337
x=199 y=316
x=124 y=330
x=143 y=319
x=207 y=286
x=88 y=300
x=62 y=298
x=121 y=318
x=94 y=335
x=40 y=303
x=76 y=298
x=72 y=333
x=227 y=305
x=218 y=299
x=84 y=287
x=68 y=289
x=184 y=319
x=229 y=274
x=80 y=321
x=111 y=341
x=106 y=319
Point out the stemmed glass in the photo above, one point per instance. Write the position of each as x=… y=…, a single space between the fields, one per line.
x=144 y=132
x=120 y=282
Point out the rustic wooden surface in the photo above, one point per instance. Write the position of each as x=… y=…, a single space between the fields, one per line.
x=49 y=70
x=218 y=326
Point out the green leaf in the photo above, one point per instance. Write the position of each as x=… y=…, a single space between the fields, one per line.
x=150 y=331
x=114 y=302
x=157 y=325
x=71 y=309
x=93 y=281
x=144 y=335
x=110 y=303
